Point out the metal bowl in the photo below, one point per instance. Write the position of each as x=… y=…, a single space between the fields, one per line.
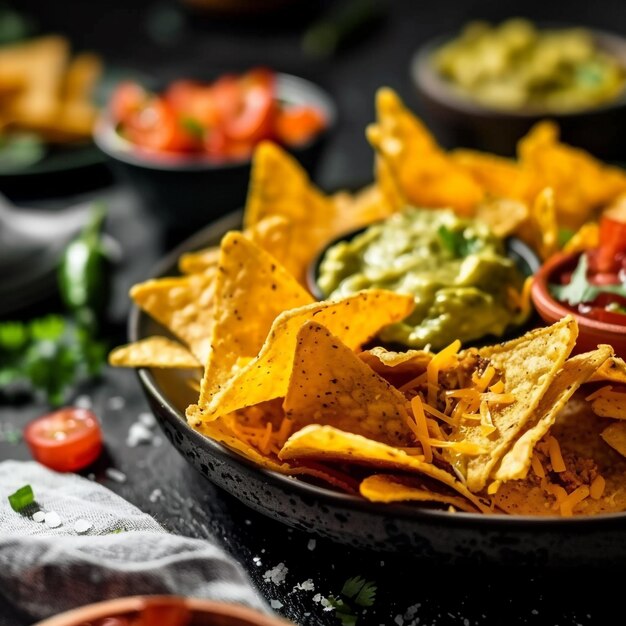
x=460 y=538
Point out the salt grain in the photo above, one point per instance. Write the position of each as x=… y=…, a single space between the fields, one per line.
x=82 y=526
x=156 y=494
x=39 y=517
x=311 y=545
x=115 y=474
x=83 y=402
x=138 y=434
x=276 y=604
x=257 y=561
x=52 y=519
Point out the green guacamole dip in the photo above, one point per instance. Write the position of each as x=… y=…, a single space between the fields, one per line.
x=455 y=267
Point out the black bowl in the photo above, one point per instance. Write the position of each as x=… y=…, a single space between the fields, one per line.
x=190 y=192
x=426 y=533
x=461 y=122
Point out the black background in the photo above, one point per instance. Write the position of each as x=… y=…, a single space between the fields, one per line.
x=164 y=40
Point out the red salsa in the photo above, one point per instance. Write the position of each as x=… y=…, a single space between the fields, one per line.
x=221 y=121
x=596 y=287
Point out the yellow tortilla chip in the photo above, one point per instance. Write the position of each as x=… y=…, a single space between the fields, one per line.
x=391 y=488
x=609 y=403
x=575 y=372
x=279 y=186
x=362 y=208
x=329 y=444
x=612 y=370
x=615 y=436
x=504 y=216
x=153 y=352
x=528 y=366
x=354 y=320
x=251 y=289
x=424 y=173
x=184 y=306
x=329 y=384
x=586 y=237
x=271 y=234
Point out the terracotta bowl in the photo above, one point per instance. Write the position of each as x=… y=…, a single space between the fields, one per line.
x=162 y=611
x=591 y=332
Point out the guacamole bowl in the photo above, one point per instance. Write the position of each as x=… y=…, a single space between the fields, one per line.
x=460 y=121
x=460 y=274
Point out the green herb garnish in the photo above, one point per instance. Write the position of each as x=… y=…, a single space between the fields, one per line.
x=456 y=243
x=22 y=498
x=579 y=289
x=49 y=354
x=359 y=591
x=192 y=127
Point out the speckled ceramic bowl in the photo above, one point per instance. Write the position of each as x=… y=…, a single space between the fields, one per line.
x=428 y=533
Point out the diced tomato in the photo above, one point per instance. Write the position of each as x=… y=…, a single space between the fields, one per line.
x=612 y=241
x=254 y=116
x=127 y=99
x=66 y=440
x=295 y=125
x=156 y=127
x=226 y=95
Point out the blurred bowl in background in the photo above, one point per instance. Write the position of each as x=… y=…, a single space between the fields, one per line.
x=170 y=610
x=188 y=191
x=459 y=121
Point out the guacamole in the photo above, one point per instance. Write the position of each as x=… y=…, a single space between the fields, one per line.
x=455 y=267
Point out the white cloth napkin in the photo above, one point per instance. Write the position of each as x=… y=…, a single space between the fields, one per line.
x=45 y=570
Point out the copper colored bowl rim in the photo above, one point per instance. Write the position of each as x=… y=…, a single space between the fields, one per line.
x=236 y=614
x=550 y=308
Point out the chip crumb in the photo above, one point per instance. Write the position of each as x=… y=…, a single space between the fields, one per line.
x=257 y=561
x=276 y=604
x=82 y=526
x=277 y=574
x=52 y=519
x=83 y=402
x=138 y=434
x=115 y=474
x=39 y=517
x=156 y=494
x=311 y=545
x=116 y=403
x=247 y=522
x=307 y=585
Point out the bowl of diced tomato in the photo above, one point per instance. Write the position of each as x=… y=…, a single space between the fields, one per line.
x=590 y=285
x=187 y=148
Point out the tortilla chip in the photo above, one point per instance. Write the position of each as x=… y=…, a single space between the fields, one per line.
x=271 y=234
x=615 y=436
x=329 y=384
x=279 y=186
x=500 y=177
x=424 y=173
x=184 y=305
x=222 y=432
x=575 y=372
x=251 y=289
x=391 y=488
x=354 y=320
x=362 y=208
x=504 y=216
x=582 y=184
x=612 y=370
x=609 y=403
x=153 y=352
x=325 y=443
x=528 y=366
x=586 y=237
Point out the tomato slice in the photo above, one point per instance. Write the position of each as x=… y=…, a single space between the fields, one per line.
x=253 y=119
x=128 y=98
x=157 y=127
x=66 y=440
x=612 y=241
x=298 y=124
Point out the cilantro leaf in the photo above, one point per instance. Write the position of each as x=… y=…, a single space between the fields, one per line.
x=192 y=127
x=363 y=592
x=579 y=289
x=456 y=243
x=343 y=611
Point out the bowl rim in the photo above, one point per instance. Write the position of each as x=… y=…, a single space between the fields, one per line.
x=545 y=302
x=116 y=147
x=408 y=512
x=115 y=606
x=428 y=81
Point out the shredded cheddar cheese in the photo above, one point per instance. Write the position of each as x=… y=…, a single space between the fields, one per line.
x=421 y=427
x=556 y=458
x=596 y=489
x=497 y=387
x=537 y=466
x=569 y=503
x=441 y=360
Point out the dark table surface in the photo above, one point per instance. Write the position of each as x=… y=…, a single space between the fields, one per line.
x=158 y=480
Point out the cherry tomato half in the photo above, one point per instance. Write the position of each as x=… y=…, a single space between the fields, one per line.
x=66 y=440
x=126 y=100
